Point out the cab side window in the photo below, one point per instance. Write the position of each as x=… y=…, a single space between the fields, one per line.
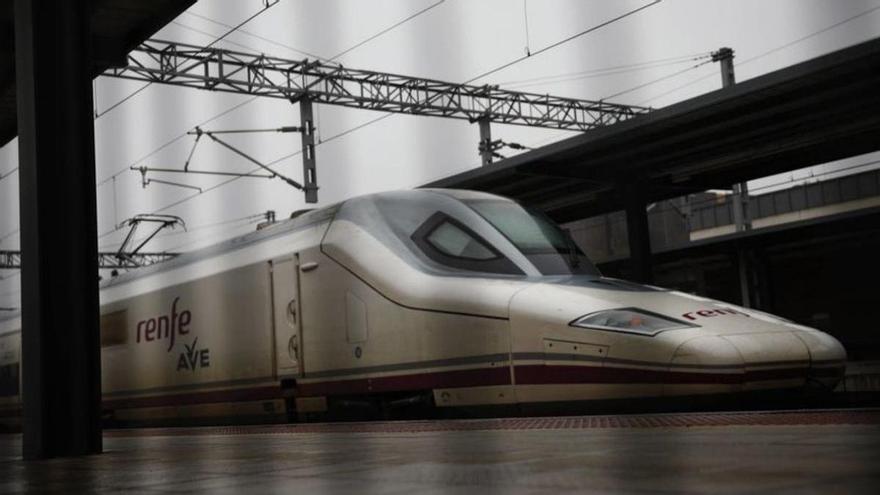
x=451 y=240
x=451 y=243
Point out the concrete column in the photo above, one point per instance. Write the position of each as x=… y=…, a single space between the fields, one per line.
x=637 y=232
x=61 y=359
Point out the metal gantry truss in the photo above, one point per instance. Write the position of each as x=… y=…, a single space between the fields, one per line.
x=218 y=69
x=314 y=81
x=11 y=260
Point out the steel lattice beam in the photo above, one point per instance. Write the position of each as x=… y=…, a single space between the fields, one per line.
x=10 y=260
x=237 y=72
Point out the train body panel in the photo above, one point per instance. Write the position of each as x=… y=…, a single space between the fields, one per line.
x=205 y=337
x=206 y=333
x=359 y=340
x=456 y=298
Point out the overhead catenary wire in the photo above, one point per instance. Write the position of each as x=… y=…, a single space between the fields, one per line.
x=368 y=123
x=200 y=124
x=266 y=6
x=768 y=52
x=213 y=118
x=360 y=126
x=659 y=79
x=233 y=43
x=115 y=204
x=389 y=28
x=123 y=100
x=171 y=183
x=383 y=117
x=251 y=34
x=694 y=204
x=176 y=139
x=236 y=107
x=8 y=235
x=9 y=293
x=553 y=45
x=526 y=25
x=810 y=35
x=703 y=78
x=7 y=174
x=563 y=41
x=251 y=159
x=241 y=104
x=604 y=72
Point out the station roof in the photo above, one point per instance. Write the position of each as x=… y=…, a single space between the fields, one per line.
x=117 y=27
x=821 y=110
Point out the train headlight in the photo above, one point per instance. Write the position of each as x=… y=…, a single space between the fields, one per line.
x=630 y=320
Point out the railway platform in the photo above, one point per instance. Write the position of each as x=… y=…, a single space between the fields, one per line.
x=824 y=451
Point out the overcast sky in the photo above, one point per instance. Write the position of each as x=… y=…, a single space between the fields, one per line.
x=454 y=41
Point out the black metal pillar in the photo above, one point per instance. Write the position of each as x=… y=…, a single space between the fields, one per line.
x=745 y=277
x=310 y=170
x=485 y=141
x=61 y=360
x=637 y=232
x=741 y=190
x=740 y=196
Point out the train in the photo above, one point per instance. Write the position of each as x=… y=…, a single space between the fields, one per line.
x=445 y=298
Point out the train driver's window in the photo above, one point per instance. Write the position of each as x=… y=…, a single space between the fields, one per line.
x=454 y=241
x=449 y=242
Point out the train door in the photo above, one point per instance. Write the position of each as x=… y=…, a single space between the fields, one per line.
x=286 y=315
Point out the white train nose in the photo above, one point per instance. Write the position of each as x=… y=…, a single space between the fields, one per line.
x=772 y=360
x=744 y=362
x=827 y=358
x=704 y=365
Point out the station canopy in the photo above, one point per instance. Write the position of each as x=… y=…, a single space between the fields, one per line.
x=117 y=27
x=821 y=110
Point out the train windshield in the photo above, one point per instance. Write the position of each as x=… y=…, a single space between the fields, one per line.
x=546 y=245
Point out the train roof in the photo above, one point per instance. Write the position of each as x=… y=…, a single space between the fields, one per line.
x=301 y=220
x=278 y=229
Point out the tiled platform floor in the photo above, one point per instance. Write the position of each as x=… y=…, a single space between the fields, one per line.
x=731 y=457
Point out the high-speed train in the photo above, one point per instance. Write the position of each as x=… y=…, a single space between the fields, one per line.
x=449 y=298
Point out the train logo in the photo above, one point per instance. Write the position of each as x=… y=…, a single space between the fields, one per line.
x=166 y=327
x=709 y=313
x=193 y=358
